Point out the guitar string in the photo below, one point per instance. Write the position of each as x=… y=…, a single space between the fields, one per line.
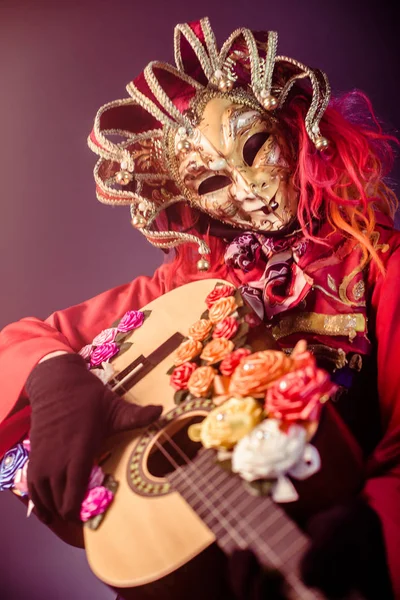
x=273 y=557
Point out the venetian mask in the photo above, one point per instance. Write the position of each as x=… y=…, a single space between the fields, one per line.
x=237 y=167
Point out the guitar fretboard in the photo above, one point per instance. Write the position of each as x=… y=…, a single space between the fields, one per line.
x=240 y=520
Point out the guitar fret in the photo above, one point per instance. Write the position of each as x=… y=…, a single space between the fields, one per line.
x=235 y=514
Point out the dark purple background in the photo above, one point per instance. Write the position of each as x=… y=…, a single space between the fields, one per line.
x=59 y=61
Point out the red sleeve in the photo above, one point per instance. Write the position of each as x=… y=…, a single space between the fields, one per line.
x=24 y=343
x=383 y=486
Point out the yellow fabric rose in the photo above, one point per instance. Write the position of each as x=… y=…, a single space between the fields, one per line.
x=225 y=425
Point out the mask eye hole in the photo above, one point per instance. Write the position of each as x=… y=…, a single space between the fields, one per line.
x=212 y=184
x=253 y=146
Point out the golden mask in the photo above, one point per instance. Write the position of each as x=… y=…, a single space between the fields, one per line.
x=237 y=167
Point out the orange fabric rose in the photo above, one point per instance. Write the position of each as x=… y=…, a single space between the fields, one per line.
x=222 y=308
x=257 y=371
x=200 y=330
x=216 y=350
x=186 y=351
x=221 y=291
x=200 y=381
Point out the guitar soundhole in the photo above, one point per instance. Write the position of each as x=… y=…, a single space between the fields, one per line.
x=173 y=447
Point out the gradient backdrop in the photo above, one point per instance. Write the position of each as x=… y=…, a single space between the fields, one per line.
x=59 y=61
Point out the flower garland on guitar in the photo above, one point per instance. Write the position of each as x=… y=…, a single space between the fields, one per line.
x=267 y=404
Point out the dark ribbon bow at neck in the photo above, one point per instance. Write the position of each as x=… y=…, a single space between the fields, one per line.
x=282 y=284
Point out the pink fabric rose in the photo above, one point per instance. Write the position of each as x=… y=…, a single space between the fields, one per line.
x=297 y=395
x=221 y=291
x=105 y=336
x=95 y=502
x=103 y=353
x=231 y=361
x=131 y=320
x=96 y=477
x=226 y=328
x=180 y=375
x=86 y=351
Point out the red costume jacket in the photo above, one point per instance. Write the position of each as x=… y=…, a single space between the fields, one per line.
x=341 y=310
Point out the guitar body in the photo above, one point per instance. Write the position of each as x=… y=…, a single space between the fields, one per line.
x=151 y=542
x=144 y=538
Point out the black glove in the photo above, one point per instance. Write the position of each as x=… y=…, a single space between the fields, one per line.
x=73 y=412
x=347 y=552
x=250 y=581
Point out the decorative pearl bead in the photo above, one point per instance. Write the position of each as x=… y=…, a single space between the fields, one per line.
x=183 y=146
x=270 y=102
x=321 y=143
x=203 y=264
x=218 y=74
x=138 y=221
x=124 y=165
x=123 y=177
x=141 y=206
x=182 y=132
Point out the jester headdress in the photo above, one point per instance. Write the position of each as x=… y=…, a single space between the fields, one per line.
x=133 y=136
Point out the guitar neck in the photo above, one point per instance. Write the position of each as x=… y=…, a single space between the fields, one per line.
x=239 y=519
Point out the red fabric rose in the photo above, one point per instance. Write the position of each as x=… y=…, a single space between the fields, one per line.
x=226 y=328
x=231 y=361
x=221 y=291
x=297 y=395
x=180 y=376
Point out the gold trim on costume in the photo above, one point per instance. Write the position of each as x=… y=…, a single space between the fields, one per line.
x=346 y=325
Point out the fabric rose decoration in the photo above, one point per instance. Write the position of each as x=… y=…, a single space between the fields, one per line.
x=95 y=502
x=86 y=351
x=200 y=330
x=216 y=350
x=268 y=452
x=225 y=425
x=131 y=320
x=13 y=460
x=200 y=381
x=20 y=486
x=297 y=395
x=226 y=328
x=105 y=336
x=231 y=361
x=256 y=372
x=180 y=375
x=96 y=477
x=222 y=308
x=186 y=351
x=221 y=291
x=103 y=353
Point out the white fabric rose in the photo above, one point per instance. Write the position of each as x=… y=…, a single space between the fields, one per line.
x=270 y=453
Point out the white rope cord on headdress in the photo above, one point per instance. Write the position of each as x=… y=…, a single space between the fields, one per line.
x=148 y=105
x=311 y=122
x=162 y=96
x=196 y=45
x=253 y=53
x=108 y=149
x=211 y=42
x=272 y=44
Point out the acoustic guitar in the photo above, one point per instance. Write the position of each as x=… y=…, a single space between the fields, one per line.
x=173 y=500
